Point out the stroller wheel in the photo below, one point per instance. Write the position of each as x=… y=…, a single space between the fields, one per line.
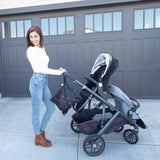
x=119 y=129
x=130 y=136
x=74 y=127
x=94 y=145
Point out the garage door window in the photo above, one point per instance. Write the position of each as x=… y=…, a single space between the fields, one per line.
x=157 y=18
x=57 y=25
x=147 y=18
x=5 y=29
x=89 y=23
x=52 y=26
x=103 y=22
x=98 y=22
x=14 y=29
x=61 y=25
x=107 y=21
x=117 y=21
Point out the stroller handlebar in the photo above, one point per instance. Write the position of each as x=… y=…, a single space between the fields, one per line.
x=74 y=80
x=91 y=79
x=138 y=104
x=86 y=77
x=67 y=75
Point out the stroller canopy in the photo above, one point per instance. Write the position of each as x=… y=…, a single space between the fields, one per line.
x=103 y=68
x=103 y=59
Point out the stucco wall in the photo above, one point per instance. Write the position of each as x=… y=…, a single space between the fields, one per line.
x=7 y=4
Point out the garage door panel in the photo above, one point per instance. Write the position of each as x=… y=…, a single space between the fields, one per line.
x=108 y=46
x=86 y=55
x=5 y=57
x=71 y=54
x=20 y=52
x=119 y=51
x=118 y=79
x=147 y=85
x=157 y=50
x=148 y=55
x=12 y=57
x=51 y=50
x=16 y=84
x=62 y=54
x=97 y=49
x=7 y=85
x=156 y=83
x=136 y=52
x=27 y=64
x=135 y=83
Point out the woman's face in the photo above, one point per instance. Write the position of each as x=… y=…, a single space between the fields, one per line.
x=35 y=38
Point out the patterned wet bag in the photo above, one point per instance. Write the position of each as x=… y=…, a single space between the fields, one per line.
x=65 y=98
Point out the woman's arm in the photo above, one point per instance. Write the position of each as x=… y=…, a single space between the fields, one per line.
x=39 y=62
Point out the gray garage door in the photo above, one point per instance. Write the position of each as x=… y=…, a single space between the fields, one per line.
x=135 y=46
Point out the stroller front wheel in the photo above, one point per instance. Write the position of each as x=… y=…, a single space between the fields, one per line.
x=74 y=127
x=94 y=145
x=130 y=136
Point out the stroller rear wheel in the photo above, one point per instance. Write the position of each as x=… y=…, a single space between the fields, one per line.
x=74 y=127
x=94 y=145
x=130 y=136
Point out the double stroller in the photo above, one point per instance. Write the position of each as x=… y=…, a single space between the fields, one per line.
x=95 y=116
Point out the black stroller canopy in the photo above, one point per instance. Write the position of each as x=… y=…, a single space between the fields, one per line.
x=103 y=59
x=103 y=68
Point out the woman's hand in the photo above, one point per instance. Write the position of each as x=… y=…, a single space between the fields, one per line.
x=62 y=70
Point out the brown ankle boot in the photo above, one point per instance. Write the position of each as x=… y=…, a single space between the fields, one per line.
x=39 y=139
x=43 y=133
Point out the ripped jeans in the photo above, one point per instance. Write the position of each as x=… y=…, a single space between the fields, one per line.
x=39 y=90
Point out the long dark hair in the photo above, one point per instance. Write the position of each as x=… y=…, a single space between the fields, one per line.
x=29 y=43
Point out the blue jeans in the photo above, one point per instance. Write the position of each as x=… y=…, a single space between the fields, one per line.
x=39 y=90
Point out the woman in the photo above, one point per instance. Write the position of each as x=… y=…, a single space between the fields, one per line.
x=38 y=84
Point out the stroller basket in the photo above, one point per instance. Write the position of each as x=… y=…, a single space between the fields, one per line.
x=90 y=121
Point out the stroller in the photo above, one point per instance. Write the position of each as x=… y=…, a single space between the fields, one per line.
x=101 y=117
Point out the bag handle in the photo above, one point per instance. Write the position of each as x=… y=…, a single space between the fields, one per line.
x=65 y=83
x=65 y=80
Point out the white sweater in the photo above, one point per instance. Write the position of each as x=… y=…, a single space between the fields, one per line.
x=39 y=61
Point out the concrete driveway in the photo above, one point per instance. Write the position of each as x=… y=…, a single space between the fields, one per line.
x=17 y=137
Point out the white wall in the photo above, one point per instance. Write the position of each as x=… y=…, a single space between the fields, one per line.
x=8 y=4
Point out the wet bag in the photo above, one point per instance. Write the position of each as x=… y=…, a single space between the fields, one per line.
x=65 y=98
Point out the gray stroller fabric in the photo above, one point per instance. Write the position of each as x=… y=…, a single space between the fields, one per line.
x=122 y=101
x=102 y=59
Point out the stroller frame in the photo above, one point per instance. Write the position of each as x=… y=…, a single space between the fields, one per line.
x=130 y=135
x=101 y=92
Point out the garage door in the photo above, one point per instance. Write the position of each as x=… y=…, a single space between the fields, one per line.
x=74 y=39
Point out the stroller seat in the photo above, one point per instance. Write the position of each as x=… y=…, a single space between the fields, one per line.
x=125 y=104
x=104 y=66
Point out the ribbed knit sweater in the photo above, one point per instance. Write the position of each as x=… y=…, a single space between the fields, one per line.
x=39 y=61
